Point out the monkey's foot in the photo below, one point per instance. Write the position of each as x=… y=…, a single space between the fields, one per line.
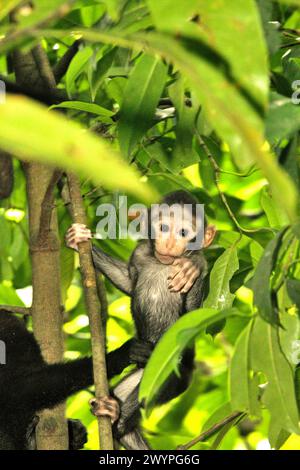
x=106 y=406
x=183 y=275
x=77 y=233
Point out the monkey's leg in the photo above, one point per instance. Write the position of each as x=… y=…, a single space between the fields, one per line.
x=127 y=427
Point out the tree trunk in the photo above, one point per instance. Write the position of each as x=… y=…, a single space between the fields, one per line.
x=52 y=432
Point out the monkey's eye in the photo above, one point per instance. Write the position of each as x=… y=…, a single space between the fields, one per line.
x=164 y=228
x=183 y=232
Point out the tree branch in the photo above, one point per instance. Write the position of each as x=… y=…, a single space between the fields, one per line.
x=93 y=310
x=43 y=65
x=213 y=430
x=60 y=69
x=14 y=309
x=53 y=96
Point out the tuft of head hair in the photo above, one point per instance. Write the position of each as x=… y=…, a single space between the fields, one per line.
x=183 y=197
x=179 y=197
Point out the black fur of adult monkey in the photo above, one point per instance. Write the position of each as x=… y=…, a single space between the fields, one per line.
x=164 y=280
x=28 y=384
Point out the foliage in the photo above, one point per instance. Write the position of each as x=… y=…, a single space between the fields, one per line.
x=161 y=97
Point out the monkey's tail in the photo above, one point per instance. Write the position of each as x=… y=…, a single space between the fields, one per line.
x=134 y=441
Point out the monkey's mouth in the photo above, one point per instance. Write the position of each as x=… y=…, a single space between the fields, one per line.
x=164 y=259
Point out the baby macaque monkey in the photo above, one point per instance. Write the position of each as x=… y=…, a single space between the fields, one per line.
x=164 y=278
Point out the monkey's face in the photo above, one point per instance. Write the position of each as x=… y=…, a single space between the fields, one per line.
x=172 y=236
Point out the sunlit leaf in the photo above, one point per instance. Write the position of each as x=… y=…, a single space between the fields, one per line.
x=223 y=270
x=261 y=281
x=267 y=357
x=175 y=340
x=141 y=97
x=49 y=137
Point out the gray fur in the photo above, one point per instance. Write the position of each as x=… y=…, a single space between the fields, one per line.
x=154 y=308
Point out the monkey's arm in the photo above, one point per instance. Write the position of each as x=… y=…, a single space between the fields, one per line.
x=195 y=295
x=115 y=270
x=131 y=352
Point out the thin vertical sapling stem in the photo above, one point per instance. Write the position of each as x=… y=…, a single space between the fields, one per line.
x=93 y=309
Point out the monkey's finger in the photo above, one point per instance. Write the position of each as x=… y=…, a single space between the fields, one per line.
x=113 y=414
x=178 y=283
x=78 y=232
x=182 y=272
x=191 y=278
x=176 y=270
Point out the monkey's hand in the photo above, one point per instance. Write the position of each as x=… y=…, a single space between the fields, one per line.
x=140 y=352
x=77 y=233
x=184 y=273
x=106 y=406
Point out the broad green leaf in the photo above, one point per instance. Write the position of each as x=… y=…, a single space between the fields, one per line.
x=141 y=96
x=184 y=154
x=248 y=248
x=7 y=7
x=99 y=72
x=8 y=296
x=293 y=289
x=48 y=137
x=243 y=385
x=289 y=2
x=267 y=357
x=277 y=217
x=261 y=281
x=219 y=281
x=165 y=356
x=76 y=67
x=85 y=107
x=276 y=435
x=240 y=18
x=235 y=119
x=283 y=118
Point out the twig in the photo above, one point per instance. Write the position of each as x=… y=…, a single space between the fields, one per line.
x=44 y=67
x=93 y=310
x=13 y=309
x=50 y=97
x=217 y=172
x=62 y=65
x=213 y=430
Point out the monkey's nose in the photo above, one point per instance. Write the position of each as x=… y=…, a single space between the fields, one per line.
x=170 y=243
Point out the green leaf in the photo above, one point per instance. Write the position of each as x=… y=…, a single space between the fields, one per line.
x=241 y=19
x=51 y=138
x=283 y=118
x=8 y=296
x=243 y=385
x=235 y=115
x=184 y=153
x=165 y=356
x=293 y=289
x=85 y=107
x=277 y=436
x=97 y=75
x=261 y=281
x=268 y=358
x=76 y=67
x=142 y=93
x=221 y=274
x=276 y=216
x=6 y=7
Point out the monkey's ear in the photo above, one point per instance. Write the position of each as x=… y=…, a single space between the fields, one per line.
x=209 y=235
